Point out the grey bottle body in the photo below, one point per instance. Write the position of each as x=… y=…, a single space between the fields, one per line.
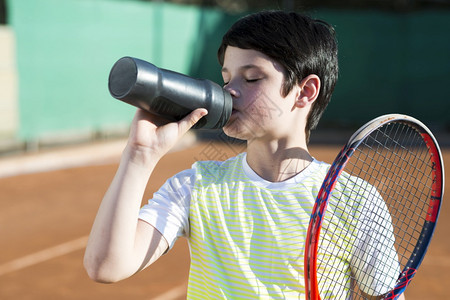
x=169 y=94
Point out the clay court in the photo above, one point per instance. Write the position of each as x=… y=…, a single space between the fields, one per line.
x=49 y=201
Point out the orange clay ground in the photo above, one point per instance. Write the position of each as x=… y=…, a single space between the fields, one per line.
x=46 y=217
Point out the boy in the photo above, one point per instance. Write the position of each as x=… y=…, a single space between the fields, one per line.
x=245 y=218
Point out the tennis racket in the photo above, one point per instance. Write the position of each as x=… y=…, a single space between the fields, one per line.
x=375 y=213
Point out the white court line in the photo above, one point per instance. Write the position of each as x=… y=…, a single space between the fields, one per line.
x=76 y=156
x=43 y=255
x=171 y=294
x=66 y=248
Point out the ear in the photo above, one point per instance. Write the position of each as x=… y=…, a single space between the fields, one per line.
x=308 y=91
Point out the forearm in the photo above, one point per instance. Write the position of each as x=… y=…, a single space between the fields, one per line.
x=366 y=296
x=120 y=244
x=111 y=253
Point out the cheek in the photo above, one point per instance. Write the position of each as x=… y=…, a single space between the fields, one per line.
x=254 y=102
x=264 y=107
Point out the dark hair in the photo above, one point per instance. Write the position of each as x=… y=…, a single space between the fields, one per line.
x=302 y=45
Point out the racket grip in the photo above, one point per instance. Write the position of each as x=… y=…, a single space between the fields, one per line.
x=168 y=94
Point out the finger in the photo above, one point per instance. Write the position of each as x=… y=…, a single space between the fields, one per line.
x=143 y=115
x=187 y=122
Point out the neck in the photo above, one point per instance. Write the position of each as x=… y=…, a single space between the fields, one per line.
x=278 y=160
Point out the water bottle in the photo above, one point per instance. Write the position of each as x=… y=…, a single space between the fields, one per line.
x=169 y=94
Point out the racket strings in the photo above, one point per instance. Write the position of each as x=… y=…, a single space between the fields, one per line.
x=406 y=171
x=375 y=214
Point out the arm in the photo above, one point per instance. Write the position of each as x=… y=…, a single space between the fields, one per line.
x=120 y=244
x=401 y=297
x=376 y=249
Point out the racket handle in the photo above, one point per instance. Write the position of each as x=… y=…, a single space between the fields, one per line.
x=168 y=94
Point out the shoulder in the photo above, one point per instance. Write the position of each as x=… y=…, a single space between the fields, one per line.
x=321 y=166
x=319 y=169
x=215 y=169
x=312 y=177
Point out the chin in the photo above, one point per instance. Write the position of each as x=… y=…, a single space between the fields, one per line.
x=234 y=131
x=230 y=132
x=241 y=129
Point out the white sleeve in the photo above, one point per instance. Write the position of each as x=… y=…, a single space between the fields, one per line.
x=168 y=210
x=375 y=261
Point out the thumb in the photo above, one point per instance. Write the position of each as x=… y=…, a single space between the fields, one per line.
x=187 y=122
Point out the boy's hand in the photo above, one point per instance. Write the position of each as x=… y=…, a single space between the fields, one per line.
x=120 y=244
x=152 y=137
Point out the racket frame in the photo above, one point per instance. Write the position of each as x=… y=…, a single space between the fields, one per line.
x=338 y=165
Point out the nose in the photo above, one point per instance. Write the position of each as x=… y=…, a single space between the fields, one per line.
x=233 y=91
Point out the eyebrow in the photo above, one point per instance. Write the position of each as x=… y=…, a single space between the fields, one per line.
x=245 y=67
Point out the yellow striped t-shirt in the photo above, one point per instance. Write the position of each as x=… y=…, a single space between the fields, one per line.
x=247 y=235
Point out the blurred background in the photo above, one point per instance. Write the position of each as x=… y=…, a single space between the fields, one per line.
x=61 y=133
x=55 y=57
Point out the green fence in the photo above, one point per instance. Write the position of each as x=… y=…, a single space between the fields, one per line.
x=390 y=62
x=66 y=48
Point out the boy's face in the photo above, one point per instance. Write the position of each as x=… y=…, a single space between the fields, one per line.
x=255 y=82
